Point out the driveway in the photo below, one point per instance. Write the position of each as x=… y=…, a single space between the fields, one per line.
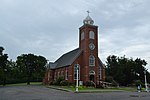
x=34 y=92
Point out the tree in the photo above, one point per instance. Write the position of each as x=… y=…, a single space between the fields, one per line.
x=13 y=73
x=29 y=64
x=1 y=50
x=3 y=66
x=124 y=70
x=40 y=68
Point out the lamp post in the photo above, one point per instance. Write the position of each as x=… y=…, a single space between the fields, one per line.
x=77 y=68
x=146 y=87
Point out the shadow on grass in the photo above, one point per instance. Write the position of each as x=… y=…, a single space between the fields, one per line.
x=23 y=84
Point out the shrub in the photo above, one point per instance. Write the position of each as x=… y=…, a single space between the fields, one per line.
x=64 y=83
x=138 y=82
x=89 y=84
x=58 y=81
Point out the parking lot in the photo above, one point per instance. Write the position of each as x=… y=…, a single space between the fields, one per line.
x=35 y=92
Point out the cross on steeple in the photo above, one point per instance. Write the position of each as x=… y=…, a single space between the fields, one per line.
x=88 y=12
x=88 y=19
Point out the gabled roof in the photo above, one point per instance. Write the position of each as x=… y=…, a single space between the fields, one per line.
x=52 y=65
x=66 y=59
x=101 y=63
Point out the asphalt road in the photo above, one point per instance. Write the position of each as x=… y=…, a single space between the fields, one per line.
x=43 y=93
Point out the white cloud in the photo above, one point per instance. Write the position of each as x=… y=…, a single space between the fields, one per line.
x=50 y=27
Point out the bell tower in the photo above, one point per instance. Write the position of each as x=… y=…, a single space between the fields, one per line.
x=88 y=43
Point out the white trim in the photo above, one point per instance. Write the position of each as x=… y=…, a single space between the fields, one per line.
x=66 y=76
x=92 y=72
x=58 y=74
x=91 y=35
x=91 y=60
x=82 y=36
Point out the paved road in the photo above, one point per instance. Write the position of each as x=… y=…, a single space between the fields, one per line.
x=43 y=93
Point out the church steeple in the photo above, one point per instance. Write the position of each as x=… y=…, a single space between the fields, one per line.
x=88 y=43
x=88 y=20
x=88 y=34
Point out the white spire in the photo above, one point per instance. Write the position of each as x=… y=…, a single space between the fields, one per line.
x=88 y=19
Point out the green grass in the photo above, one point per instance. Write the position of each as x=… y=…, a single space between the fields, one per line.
x=124 y=88
x=23 y=84
x=91 y=89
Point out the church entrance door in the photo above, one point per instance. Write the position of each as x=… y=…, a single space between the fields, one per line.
x=92 y=78
x=92 y=73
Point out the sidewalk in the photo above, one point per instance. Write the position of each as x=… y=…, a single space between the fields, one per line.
x=85 y=91
x=59 y=88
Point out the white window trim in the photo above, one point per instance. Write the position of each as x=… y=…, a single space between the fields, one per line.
x=93 y=58
x=91 y=35
x=66 y=78
x=82 y=36
x=100 y=72
x=58 y=74
x=92 y=72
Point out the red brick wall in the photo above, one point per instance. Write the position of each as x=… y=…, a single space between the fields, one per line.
x=82 y=60
x=84 y=45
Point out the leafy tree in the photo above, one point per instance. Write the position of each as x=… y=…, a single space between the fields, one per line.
x=3 y=66
x=31 y=65
x=13 y=74
x=125 y=71
x=40 y=68
x=1 y=50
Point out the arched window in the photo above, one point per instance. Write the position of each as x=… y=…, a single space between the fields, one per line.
x=62 y=74
x=58 y=74
x=91 y=35
x=66 y=73
x=100 y=72
x=76 y=66
x=48 y=75
x=82 y=35
x=92 y=72
x=91 y=60
x=55 y=76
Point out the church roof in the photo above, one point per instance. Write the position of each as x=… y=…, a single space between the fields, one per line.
x=101 y=63
x=66 y=59
x=52 y=65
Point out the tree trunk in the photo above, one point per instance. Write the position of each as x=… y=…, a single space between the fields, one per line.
x=28 y=83
x=4 y=78
x=28 y=79
x=4 y=81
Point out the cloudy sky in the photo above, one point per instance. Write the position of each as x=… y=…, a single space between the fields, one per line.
x=50 y=27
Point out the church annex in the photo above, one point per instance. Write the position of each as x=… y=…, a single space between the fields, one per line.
x=91 y=69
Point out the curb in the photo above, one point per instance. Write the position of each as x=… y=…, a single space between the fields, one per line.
x=57 y=88
x=98 y=91
x=66 y=90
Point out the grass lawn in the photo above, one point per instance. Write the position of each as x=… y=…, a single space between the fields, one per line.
x=91 y=89
x=23 y=84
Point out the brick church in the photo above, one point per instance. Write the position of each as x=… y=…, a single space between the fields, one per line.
x=91 y=68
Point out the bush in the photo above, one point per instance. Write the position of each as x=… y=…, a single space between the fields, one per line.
x=111 y=80
x=89 y=84
x=64 y=83
x=138 y=82
x=58 y=81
